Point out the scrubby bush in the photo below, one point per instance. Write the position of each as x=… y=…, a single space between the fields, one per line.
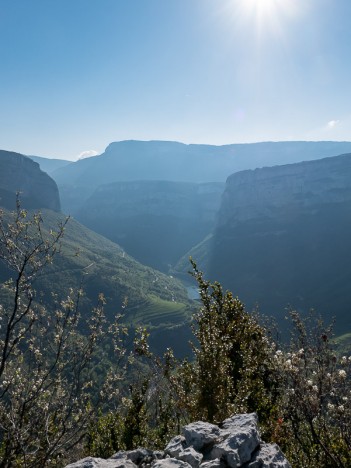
x=47 y=387
x=232 y=368
x=315 y=417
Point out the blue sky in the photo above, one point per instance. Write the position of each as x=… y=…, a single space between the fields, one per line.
x=76 y=75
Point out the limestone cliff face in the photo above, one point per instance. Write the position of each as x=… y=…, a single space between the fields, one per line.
x=283 y=238
x=156 y=198
x=303 y=186
x=18 y=173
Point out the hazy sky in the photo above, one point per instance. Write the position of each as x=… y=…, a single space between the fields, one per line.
x=78 y=74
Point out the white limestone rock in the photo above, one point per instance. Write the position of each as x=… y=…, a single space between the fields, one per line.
x=268 y=456
x=240 y=421
x=191 y=456
x=241 y=439
x=170 y=463
x=216 y=463
x=201 y=435
x=91 y=462
x=175 y=446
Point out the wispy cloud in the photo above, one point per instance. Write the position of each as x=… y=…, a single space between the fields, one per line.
x=333 y=123
x=334 y=129
x=87 y=154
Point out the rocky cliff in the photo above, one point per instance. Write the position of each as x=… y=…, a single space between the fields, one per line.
x=283 y=238
x=18 y=173
x=304 y=186
x=234 y=443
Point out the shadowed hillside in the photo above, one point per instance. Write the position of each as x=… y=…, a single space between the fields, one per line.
x=89 y=261
x=155 y=221
x=283 y=237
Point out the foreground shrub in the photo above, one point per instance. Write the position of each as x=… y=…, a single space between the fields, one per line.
x=232 y=371
x=315 y=416
x=47 y=387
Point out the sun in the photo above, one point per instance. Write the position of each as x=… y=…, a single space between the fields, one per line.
x=262 y=9
x=267 y=15
x=262 y=6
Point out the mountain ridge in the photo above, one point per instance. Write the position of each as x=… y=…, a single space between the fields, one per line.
x=161 y=160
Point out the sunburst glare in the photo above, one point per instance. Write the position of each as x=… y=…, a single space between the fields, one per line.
x=266 y=16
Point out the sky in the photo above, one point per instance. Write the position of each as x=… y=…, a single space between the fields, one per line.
x=76 y=75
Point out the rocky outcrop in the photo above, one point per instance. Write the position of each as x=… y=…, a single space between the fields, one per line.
x=234 y=443
x=19 y=173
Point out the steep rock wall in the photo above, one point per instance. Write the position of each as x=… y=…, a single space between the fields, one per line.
x=303 y=186
x=283 y=239
x=19 y=173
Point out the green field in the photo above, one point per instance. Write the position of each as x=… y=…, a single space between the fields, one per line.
x=343 y=344
x=155 y=311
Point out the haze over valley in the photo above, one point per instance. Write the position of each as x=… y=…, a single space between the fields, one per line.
x=276 y=236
